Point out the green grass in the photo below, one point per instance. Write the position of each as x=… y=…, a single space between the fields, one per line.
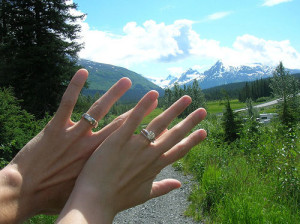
x=148 y=119
x=218 y=106
x=42 y=219
x=252 y=180
x=151 y=116
x=271 y=109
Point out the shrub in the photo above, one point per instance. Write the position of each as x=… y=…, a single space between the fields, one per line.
x=17 y=126
x=254 y=179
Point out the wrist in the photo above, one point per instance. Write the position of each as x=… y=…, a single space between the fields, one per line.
x=14 y=208
x=84 y=206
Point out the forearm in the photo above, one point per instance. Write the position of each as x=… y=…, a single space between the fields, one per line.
x=11 y=209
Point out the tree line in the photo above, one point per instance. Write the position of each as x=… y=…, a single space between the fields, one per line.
x=255 y=90
x=38 y=51
x=173 y=94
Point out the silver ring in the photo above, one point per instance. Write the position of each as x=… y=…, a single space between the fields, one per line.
x=148 y=134
x=90 y=119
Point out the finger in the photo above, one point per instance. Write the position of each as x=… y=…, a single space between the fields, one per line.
x=137 y=115
x=164 y=131
x=101 y=135
x=162 y=187
x=101 y=107
x=70 y=97
x=182 y=148
x=177 y=133
x=161 y=122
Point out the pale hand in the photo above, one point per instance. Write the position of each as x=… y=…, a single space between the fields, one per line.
x=120 y=173
x=42 y=175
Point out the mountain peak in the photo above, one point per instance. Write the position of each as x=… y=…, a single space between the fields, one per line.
x=220 y=74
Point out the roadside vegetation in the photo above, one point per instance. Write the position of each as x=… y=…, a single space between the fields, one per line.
x=245 y=171
x=253 y=179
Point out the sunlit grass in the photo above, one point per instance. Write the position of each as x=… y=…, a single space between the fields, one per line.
x=42 y=219
x=218 y=106
x=253 y=180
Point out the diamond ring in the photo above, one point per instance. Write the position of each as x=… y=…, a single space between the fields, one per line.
x=148 y=134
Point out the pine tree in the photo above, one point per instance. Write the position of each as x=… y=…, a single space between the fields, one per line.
x=38 y=51
x=194 y=91
x=197 y=96
x=285 y=86
x=230 y=124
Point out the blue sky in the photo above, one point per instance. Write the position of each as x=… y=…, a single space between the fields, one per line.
x=160 y=37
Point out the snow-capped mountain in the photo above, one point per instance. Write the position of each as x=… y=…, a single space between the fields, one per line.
x=164 y=83
x=182 y=79
x=189 y=75
x=220 y=74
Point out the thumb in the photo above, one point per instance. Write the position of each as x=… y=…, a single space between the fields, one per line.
x=162 y=187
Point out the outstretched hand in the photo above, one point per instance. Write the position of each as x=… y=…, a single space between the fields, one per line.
x=120 y=173
x=43 y=173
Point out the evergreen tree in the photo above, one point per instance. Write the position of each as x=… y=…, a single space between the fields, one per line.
x=38 y=51
x=255 y=90
x=230 y=124
x=286 y=87
x=177 y=93
x=194 y=91
x=250 y=109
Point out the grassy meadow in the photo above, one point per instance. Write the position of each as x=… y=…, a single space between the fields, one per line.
x=218 y=106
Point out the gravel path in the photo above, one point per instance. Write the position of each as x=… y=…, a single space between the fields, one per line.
x=166 y=209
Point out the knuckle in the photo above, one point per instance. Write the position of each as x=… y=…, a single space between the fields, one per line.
x=176 y=131
x=99 y=109
x=194 y=120
x=119 y=120
x=135 y=116
x=75 y=85
x=67 y=101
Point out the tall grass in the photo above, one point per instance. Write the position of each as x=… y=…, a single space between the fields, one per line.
x=252 y=180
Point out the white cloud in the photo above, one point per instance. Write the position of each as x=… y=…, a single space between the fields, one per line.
x=176 y=71
x=250 y=49
x=218 y=15
x=274 y=2
x=200 y=68
x=151 y=41
x=160 y=43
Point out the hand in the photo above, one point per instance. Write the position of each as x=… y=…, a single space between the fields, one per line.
x=43 y=173
x=120 y=174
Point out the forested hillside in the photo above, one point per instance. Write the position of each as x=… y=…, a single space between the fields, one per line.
x=242 y=90
x=103 y=76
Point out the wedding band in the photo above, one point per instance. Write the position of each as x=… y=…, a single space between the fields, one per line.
x=90 y=119
x=148 y=134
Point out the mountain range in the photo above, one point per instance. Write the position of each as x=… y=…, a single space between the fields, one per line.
x=103 y=76
x=220 y=74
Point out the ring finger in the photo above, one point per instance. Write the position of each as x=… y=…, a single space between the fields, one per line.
x=161 y=122
x=177 y=133
x=101 y=107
